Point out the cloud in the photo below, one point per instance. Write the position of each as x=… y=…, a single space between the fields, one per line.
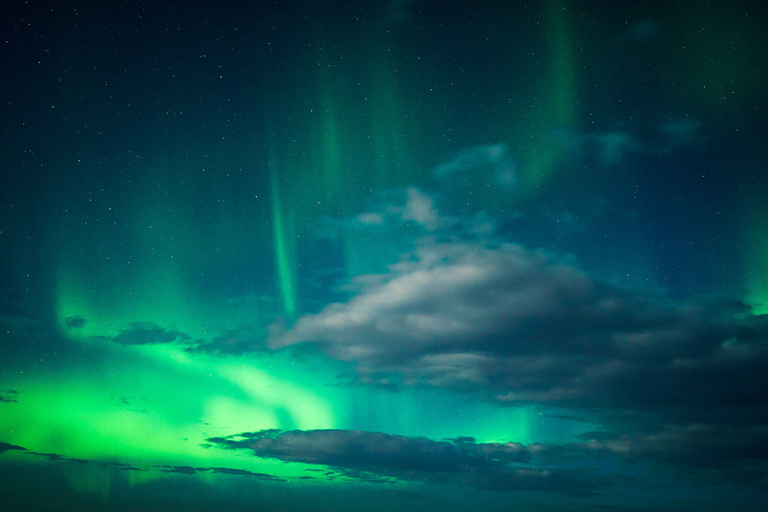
x=4 y=447
x=8 y=395
x=360 y=454
x=183 y=470
x=189 y=470
x=74 y=322
x=144 y=333
x=165 y=468
x=678 y=385
x=459 y=304
x=692 y=445
x=22 y=327
x=678 y=133
x=613 y=147
x=243 y=472
x=531 y=327
x=234 y=342
x=55 y=457
x=398 y=207
x=609 y=146
x=419 y=208
x=490 y=165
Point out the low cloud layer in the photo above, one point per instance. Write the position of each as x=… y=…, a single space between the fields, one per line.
x=9 y=395
x=578 y=469
x=4 y=447
x=189 y=470
x=143 y=333
x=164 y=468
x=493 y=466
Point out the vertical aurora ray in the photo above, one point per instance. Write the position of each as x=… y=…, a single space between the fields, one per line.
x=284 y=243
x=561 y=63
x=328 y=137
x=554 y=101
x=755 y=252
x=282 y=233
x=390 y=128
x=136 y=268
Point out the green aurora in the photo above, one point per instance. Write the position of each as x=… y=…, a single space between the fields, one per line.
x=368 y=255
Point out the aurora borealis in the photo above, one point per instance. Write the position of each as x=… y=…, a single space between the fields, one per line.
x=381 y=255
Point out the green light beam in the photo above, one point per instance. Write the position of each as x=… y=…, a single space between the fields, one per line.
x=283 y=245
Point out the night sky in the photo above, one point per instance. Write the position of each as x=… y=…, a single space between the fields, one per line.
x=383 y=255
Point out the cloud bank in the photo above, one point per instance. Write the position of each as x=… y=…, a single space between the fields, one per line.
x=531 y=327
x=493 y=466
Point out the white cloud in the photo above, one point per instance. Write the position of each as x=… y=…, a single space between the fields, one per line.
x=420 y=208
x=523 y=326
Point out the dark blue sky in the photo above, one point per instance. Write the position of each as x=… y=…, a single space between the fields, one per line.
x=415 y=254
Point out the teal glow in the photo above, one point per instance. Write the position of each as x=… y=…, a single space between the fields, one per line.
x=284 y=244
x=755 y=256
x=494 y=222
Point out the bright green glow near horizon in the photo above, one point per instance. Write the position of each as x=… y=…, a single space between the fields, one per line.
x=300 y=408
x=155 y=405
x=79 y=418
x=150 y=405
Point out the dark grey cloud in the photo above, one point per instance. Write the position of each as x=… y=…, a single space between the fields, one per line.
x=55 y=457
x=704 y=453
x=75 y=322
x=165 y=468
x=4 y=447
x=362 y=450
x=144 y=333
x=189 y=470
x=713 y=453
x=375 y=457
x=184 y=470
x=243 y=472
x=9 y=395
x=22 y=327
x=233 y=342
x=696 y=445
x=130 y=403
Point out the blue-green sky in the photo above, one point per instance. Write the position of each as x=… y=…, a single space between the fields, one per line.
x=373 y=255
